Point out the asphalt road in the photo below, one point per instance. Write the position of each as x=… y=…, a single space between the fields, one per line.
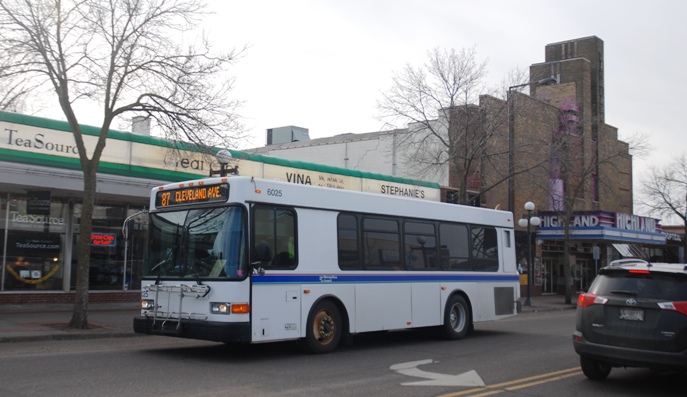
x=529 y=355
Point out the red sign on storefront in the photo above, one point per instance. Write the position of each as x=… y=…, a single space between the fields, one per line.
x=103 y=239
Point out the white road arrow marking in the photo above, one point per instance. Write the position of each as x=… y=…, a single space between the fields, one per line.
x=470 y=378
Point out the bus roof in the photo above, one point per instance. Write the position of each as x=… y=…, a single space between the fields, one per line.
x=256 y=190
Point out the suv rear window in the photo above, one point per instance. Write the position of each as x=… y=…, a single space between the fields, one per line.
x=656 y=285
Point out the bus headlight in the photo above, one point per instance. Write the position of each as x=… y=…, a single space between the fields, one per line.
x=147 y=304
x=220 y=308
x=229 y=308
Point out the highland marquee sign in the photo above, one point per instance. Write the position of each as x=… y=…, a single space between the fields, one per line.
x=602 y=225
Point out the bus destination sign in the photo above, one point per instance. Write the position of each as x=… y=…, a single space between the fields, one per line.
x=192 y=195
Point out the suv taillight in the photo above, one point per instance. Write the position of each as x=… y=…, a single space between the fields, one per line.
x=680 y=307
x=585 y=300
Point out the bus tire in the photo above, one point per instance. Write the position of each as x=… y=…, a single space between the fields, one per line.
x=323 y=329
x=457 y=318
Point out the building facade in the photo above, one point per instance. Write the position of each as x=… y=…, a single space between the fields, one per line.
x=377 y=152
x=41 y=185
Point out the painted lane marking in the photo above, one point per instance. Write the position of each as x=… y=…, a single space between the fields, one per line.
x=470 y=378
x=518 y=384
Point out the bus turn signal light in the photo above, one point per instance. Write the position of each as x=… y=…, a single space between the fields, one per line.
x=240 y=308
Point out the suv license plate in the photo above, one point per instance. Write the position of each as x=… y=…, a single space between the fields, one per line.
x=632 y=314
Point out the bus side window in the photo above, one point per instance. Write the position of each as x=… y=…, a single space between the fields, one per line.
x=381 y=239
x=484 y=249
x=455 y=250
x=420 y=245
x=348 y=242
x=275 y=227
x=262 y=253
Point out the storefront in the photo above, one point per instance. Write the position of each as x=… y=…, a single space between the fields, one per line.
x=37 y=246
x=596 y=238
x=40 y=199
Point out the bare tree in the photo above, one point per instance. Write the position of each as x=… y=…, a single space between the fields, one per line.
x=123 y=56
x=663 y=190
x=13 y=93
x=446 y=128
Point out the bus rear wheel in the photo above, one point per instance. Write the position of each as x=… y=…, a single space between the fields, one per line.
x=457 y=319
x=324 y=328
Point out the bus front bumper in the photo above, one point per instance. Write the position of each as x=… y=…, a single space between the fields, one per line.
x=194 y=329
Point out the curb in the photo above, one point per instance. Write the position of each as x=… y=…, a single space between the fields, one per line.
x=68 y=336
x=536 y=309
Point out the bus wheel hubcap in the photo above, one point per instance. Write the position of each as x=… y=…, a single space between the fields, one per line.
x=325 y=327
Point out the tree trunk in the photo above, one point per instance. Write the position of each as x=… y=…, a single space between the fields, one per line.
x=80 y=313
x=566 y=261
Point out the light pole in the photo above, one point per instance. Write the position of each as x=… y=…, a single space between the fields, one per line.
x=511 y=136
x=529 y=221
x=224 y=158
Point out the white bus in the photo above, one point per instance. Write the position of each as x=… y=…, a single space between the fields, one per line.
x=240 y=259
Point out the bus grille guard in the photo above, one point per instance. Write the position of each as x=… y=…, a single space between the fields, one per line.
x=169 y=322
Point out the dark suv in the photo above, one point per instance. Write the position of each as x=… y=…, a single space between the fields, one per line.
x=634 y=315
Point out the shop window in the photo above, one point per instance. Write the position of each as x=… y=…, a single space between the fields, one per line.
x=115 y=263
x=35 y=239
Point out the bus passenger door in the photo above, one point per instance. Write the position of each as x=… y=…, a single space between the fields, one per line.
x=276 y=298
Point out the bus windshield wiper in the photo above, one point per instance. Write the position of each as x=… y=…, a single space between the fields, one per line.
x=163 y=266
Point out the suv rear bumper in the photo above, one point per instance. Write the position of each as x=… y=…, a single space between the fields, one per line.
x=627 y=357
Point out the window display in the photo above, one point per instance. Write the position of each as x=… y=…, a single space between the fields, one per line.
x=34 y=250
x=38 y=241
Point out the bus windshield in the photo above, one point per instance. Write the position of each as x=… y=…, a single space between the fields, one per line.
x=198 y=243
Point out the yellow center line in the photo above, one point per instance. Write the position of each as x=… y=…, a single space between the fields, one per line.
x=544 y=381
x=489 y=393
x=517 y=384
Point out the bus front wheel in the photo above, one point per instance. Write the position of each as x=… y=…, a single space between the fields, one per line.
x=324 y=328
x=457 y=319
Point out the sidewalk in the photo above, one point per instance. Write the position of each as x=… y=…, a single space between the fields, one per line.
x=31 y=322
x=35 y=321
x=548 y=302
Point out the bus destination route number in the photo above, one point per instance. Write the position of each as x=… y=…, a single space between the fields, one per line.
x=192 y=195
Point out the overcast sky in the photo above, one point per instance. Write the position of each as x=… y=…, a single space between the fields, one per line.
x=321 y=64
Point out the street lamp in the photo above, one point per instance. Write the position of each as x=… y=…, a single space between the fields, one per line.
x=511 y=135
x=224 y=157
x=526 y=222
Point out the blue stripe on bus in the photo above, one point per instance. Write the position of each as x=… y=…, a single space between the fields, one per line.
x=379 y=278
